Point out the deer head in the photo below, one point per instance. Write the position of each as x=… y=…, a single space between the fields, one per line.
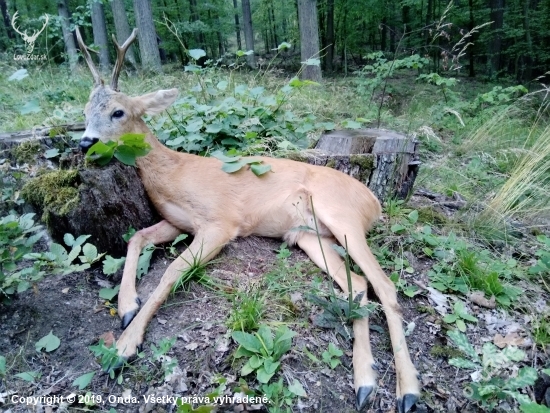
x=110 y=113
x=29 y=40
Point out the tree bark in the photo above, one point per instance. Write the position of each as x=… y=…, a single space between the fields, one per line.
x=68 y=38
x=471 y=25
x=248 y=32
x=237 y=25
x=6 y=18
x=100 y=34
x=122 y=28
x=495 y=45
x=309 y=37
x=330 y=36
x=147 y=36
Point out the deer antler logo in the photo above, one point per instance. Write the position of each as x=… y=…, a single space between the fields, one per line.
x=29 y=40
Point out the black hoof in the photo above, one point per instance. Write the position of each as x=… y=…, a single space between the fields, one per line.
x=362 y=396
x=406 y=403
x=129 y=316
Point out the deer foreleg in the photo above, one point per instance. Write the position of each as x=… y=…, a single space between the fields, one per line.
x=204 y=247
x=128 y=300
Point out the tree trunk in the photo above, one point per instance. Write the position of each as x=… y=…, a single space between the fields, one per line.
x=122 y=28
x=68 y=37
x=273 y=25
x=471 y=25
x=495 y=45
x=248 y=32
x=527 y=57
x=237 y=25
x=100 y=34
x=6 y=18
x=309 y=37
x=147 y=36
x=330 y=36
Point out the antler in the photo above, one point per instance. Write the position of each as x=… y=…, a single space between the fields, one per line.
x=13 y=19
x=85 y=51
x=120 y=52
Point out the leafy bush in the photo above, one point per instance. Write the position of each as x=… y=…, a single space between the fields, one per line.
x=20 y=267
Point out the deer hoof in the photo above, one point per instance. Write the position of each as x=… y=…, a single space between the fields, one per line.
x=405 y=404
x=117 y=363
x=362 y=396
x=129 y=316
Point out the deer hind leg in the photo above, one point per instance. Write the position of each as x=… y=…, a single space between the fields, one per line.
x=205 y=246
x=128 y=300
x=363 y=361
x=408 y=386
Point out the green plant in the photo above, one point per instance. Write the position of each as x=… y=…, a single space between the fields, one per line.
x=109 y=359
x=126 y=150
x=263 y=350
x=542 y=266
x=282 y=397
x=332 y=355
x=233 y=164
x=159 y=354
x=493 y=383
x=459 y=316
x=247 y=310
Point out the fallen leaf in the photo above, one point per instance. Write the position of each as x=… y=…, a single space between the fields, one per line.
x=295 y=297
x=127 y=394
x=108 y=338
x=65 y=290
x=104 y=283
x=439 y=300
x=161 y=321
x=191 y=346
x=478 y=297
x=223 y=345
x=511 y=339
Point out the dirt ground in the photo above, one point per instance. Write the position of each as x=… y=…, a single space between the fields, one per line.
x=71 y=308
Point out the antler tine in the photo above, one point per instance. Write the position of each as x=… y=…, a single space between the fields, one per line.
x=120 y=52
x=85 y=51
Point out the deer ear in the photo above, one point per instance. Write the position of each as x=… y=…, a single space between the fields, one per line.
x=154 y=103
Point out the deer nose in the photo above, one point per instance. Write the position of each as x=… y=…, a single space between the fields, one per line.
x=86 y=143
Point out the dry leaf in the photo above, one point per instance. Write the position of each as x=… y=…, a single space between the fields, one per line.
x=161 y=321
x=511 y=339
x=439 y=300
x=478 y=297
x=65 y=290
x=108 y=338
x=191 y=346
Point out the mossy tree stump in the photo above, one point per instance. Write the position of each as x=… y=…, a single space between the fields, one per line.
x=386 y=161
x=101 y=202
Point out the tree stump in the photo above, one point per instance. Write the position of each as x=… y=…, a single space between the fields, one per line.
x=386 y=161
x=101 y=202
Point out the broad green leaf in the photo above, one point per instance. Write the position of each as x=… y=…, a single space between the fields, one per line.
x=413 y=216
x=222 y=85
x=196 y=54
x=32 y=106
x=231 y=167
x=260 y=169
x=49 y=342
x=68 y=239
x=126 y=154
x=450 y=318
x=461 y=341
x=247 y=369
x=463 y=363
x=284 y=45
x=29 y=376
x=265 y=335
x=248 y=341
x=264 y=376
x=224 y=158
x=297 y=389
x=90 y=252
x=526 y=377
x=52 y=153
x=84 y=380
x=461 y=325
x=112 y=265
x=179 y=238
x=108 y=293
x=533 y=407
x=255 y=362
x=514 y=353
x=334 y=351
x=145 y=260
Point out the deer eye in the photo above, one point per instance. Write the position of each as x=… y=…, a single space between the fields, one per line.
x=117 y=114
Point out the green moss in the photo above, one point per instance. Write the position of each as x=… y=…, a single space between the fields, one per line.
x=26 y=152
x=365 y=161
x=297 y=156
x=425 y=309
x=432 y=216
x=445 y=351
x=331 y=164
x=53 y=191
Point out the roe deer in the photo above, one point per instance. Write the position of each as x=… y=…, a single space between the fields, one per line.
x=194 y=195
